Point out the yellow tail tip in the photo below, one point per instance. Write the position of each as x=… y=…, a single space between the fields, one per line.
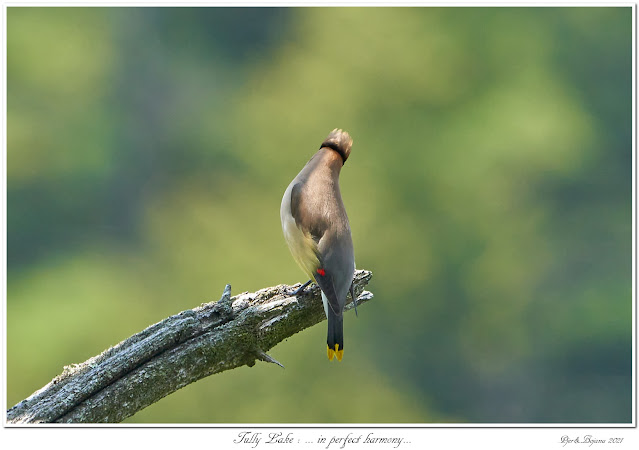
x=332 y=353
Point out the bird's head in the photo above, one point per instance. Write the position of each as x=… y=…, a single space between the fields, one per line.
x=340 y=141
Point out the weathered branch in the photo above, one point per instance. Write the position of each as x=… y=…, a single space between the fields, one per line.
x=175 y=352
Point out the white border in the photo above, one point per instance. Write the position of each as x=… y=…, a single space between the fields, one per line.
x=496 y=436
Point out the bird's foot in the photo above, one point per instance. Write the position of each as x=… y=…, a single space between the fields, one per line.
x=301 y=288
x=353 y=297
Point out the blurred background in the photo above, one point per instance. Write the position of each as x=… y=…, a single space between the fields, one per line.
x=489 y=191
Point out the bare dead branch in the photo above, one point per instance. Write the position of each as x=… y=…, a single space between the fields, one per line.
x=179 y=350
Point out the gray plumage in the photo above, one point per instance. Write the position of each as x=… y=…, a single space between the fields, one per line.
x=318 y=233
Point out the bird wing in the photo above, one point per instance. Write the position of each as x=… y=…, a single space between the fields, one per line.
x=314 y=226
x=327 y=286
x=303 y=243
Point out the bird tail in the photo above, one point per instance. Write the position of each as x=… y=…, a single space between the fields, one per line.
x=335 y=336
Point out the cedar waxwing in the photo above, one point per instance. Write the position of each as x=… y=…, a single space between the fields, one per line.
x=318 y=234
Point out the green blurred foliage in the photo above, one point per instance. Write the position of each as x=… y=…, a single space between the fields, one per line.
x=489 y=190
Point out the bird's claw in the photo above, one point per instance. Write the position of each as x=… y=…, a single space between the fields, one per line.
x=300 y=289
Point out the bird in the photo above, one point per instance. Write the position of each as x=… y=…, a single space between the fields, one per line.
x=318 y=233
